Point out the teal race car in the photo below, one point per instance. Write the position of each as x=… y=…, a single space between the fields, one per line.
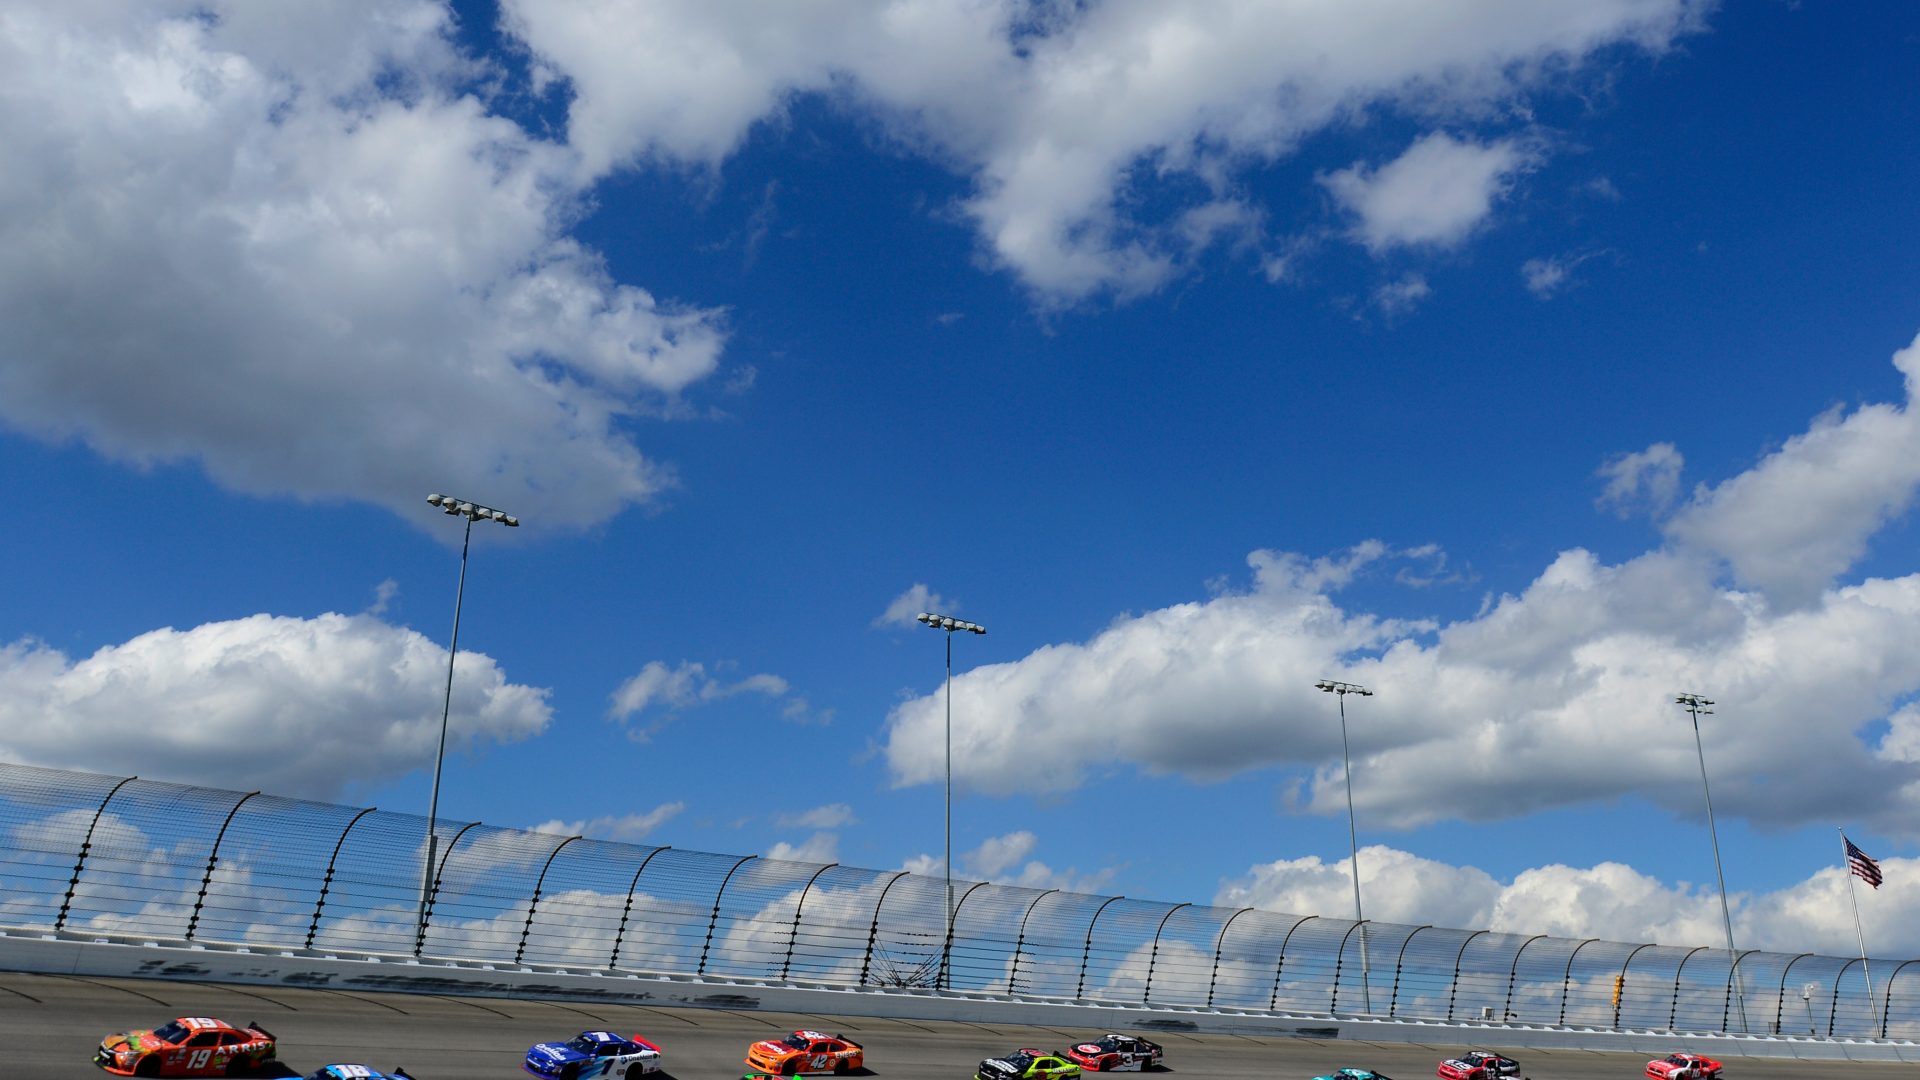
x=1354 y=1074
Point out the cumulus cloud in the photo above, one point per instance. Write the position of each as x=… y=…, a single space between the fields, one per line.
x=1645 y=481
x=1067 y=119
x=622 y=828
x=1004 y=860
x=830 y=816
x=821 y=847
x=1610 y=901
x=1548 y=276
x=903 y=609
x=1570 y=678
x=294 y=706
x=1804 y=514
x=1401 y=296
x=686 y=686
x=289 y=249
x=1434 y=194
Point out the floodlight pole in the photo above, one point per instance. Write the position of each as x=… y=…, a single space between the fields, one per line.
x=1696 y=705
x=472 y=512
x=1340 y=690
x=949 y=624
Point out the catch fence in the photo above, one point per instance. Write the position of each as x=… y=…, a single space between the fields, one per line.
x=101 y=854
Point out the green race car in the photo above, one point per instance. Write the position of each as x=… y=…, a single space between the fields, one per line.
x=1026 y=1064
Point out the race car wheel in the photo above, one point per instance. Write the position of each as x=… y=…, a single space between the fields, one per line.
x=790 y=1067
x=569 y=1071
x=237 y=1066
x=840 y=1067
x=147 y=1066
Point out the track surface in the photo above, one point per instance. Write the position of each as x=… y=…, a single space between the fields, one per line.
x=50 y=1025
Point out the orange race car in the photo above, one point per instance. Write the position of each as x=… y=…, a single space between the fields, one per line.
x=189 y=1046
x=806 y=1052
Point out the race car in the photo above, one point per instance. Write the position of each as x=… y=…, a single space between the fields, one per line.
x=1478 y=1065
x=356 y=1072
x=1026 y=1064
x=806 y=1052
x=189 y=1046
x=593 y=1053
x=1354 y=1074
x=1114 y=1053
x=1683 y=1066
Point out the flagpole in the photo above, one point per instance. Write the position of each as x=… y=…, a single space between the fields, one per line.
x=1846 y=861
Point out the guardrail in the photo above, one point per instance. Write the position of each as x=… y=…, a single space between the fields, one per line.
x=119 y=855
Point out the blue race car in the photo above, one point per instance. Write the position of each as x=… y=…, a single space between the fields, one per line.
x=1354 y=1074
x=356 y=1072
x=593 y=1053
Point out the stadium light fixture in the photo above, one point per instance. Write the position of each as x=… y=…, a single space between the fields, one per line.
x=949 y=624
x=1340 y=690
x=1698 y=706
x=472 y=512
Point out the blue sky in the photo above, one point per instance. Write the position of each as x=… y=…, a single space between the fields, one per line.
x=1527 y=363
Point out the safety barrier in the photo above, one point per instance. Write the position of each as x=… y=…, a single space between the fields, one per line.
x=119 y=855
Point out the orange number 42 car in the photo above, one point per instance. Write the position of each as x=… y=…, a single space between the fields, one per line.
x=806 y=1052
x=189 y=1046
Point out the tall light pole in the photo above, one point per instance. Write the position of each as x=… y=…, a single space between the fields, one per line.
x=1696 y=706
x=949 y=624
x=1340 y=690
x=472 y=512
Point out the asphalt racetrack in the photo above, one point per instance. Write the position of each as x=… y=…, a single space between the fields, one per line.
x=50 y=1025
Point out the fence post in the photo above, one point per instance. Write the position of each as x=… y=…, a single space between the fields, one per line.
x=1339 y=965
x=1013 y=970
x=613 y=958
x=794 y=937
x=1624 y=965
x=1566 y=981
x=86 y=845
x=433 y=894
x=535 y=904
x=1087 y=955
x=1673 y=1014
x=1453 y=988
x=947 y=953
x=326 y=882
x=1834 y=1009
x=873 y=931
x=193 y=922
x=1393 y=999
x=715 y=921
x=1146 y=995
x=1886 y=1006
x=1220 y=943
x=1726 y=1008
x=1513 y=976
x=1273 y=1001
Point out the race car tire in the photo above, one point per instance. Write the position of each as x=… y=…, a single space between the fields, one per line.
x=237 y=1066
x=840 y=1067
x=790 y=1067
x=569 y=1071
x=147 y=1066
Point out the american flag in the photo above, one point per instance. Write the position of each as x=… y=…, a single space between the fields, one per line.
x=1861 y=864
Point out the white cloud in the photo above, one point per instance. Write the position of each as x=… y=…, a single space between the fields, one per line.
x=1548 y=276
x=288 y=249
x=1004 y=860
x=622 y=828
x=1610 y=901
x=1066 y=117
x=903 y=609
x=1434 y=194
x=1402 y=296
x=684 y=687
x=1569 y=678
x=830 y=816
x=821 y=847
x=1648 y=480
x=1803 y=515
x=299 y=707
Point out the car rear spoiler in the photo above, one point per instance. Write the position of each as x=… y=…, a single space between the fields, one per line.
x=254 y=1025
x=849 y=1042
